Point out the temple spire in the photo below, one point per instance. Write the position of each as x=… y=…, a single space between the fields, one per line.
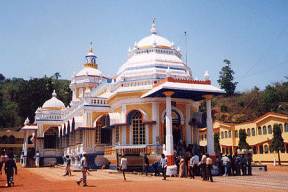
x=153 y=27
x=91 y=47
x=91 y=57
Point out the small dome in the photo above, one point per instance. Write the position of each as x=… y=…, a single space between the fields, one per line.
x=154 y=40
x=90 y=71
x=53 y=103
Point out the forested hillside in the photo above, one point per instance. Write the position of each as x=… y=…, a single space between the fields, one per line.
x=20 y=98
x=252 y=104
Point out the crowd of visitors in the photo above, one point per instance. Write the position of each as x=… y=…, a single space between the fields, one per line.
x=192 y=163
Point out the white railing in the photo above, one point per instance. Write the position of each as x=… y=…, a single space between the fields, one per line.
x=55 y=116
x=98 y=101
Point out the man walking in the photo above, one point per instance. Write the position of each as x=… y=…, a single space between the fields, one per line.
x=123 y=166
x=209 y=164
x=203 y=167
x=68 y=166
x=146 y=164
x=163 y=162
x=10 y=167
x=194 y=161
x=84 y=170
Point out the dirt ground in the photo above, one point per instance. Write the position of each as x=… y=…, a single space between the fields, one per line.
x=51 y=179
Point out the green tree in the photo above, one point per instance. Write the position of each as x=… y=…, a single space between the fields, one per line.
x=277 y=143
x=226 y=77
x=2 y=77
x=242 y=140
x=217 y=143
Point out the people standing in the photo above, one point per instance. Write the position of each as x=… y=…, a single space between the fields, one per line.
x=146 y=164
x=194 y=161
x=163 y=162
x=209 y=164
x=68 y=166
x=123 y=166
x=238 y=165
x=249 y=161
x=182 y=167
x=243 y=165
x=225 y=162
x=10 y=167
x=84 y=170
x=203 y=167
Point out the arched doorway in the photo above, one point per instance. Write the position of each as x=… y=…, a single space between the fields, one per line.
x=51 y=138
x=176 y=128
x=103 y=130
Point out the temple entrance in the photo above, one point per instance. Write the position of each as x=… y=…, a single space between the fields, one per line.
x=51 y=138
x=103 y=130
x=176 y=128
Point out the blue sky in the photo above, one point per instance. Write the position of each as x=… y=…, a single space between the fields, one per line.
x=44 y=37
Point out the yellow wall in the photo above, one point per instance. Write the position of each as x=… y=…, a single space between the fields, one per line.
x=258 y=140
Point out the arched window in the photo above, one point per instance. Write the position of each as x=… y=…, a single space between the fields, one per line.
x=11 y=139
x=30 y=139
x=222 y=134
x=229 y=133
x=281 y=127
x=253 y=132
x=226 y=134
x=254 y=150
x=264 y=130
x=286 y=127
x=259 y=131
x=4 y=139
x=266 y=148
x=236 y=133
x=261 y=149
x=138 y=129
x=269 y=129
x=248 y=132
x=51 y=138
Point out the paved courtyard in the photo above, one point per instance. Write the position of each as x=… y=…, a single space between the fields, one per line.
x=51 y=179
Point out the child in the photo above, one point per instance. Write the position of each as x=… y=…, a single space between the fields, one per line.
x=10 y=165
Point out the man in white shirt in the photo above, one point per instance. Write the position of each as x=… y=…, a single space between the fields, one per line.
x=123 y=165
x=194 y=161
x=225 y=161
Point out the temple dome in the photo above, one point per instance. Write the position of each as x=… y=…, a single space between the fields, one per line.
x=154 y=40
x=53 y=103
x=153 y=57
x=90 y=71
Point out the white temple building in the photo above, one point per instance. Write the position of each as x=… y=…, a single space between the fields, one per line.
x=150 y=106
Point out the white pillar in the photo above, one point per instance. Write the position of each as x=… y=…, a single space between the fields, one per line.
x=169 y=134
x=24 y=163
x=155 y=127
x=123 y=128
x=171 y=168
x=210 y=134
x=187 y=126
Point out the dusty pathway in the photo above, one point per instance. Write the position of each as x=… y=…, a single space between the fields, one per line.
x=51 y=179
